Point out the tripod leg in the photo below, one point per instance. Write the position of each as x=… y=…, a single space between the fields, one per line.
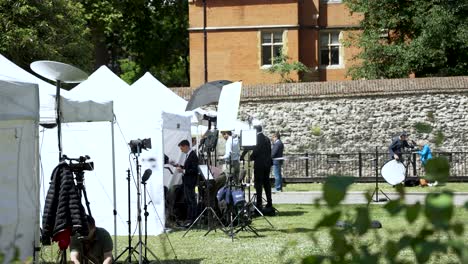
x=261 y=214
x=210 y=228
x=385 y=195
x=194 y=222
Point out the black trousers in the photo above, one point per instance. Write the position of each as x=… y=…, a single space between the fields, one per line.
x=191 y=201
x=262 y=181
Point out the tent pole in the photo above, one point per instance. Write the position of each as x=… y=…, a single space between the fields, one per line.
x=113 y=180
x=58 y=118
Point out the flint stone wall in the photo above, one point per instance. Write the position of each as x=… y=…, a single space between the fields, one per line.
x=352 y=116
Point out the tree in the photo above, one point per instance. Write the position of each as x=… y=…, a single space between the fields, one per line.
x=44 y=30
x=284 y=67
x=136 y=36
x=156 y=38
x=425 y=37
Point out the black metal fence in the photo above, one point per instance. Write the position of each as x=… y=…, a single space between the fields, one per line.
x=315 y=167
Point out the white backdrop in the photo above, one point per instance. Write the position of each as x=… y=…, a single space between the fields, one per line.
x=19 y=174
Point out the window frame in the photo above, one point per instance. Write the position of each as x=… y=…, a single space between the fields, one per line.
x=271 y=44
x=332 y=1
x=340 y=64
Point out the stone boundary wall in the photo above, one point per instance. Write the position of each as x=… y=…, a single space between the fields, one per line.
x=350 y=116
x=291 y=91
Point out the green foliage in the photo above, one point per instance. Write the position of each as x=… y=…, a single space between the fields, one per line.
x=438 y=169
x=426 y=37
x=439 y=138
x=423 y=127
x=284 y=67
x=130 y=70
x=335 y=189
x=44 y=30
x=155 y=37
x=438 y=234
x=430 y=116
x=142 y=35
x=316 y=131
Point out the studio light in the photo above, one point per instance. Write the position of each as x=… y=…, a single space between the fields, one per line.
x=138 y=144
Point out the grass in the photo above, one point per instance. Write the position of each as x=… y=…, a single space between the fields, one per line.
x=289 y=240
x=308 y=187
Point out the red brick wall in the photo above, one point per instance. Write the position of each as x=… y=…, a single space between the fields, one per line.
x=244 y=13
x=234 y=55
x=333 y=15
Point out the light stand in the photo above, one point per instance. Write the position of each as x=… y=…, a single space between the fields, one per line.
x=377 y=189
x=143 y=181
x=140 y=243
x=129 y=248
x=208 y=208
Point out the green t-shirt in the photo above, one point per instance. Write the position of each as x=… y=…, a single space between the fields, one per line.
x=94 y=251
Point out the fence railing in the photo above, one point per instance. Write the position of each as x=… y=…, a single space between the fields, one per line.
x=312 y=167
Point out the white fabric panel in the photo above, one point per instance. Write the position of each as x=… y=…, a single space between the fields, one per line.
x=228 y=106
x=18 y=101
x=19 y=174
x=175 y=129
x=86 y=111
x=12 y=72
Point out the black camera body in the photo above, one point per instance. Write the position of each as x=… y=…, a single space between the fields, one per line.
x=82 y=166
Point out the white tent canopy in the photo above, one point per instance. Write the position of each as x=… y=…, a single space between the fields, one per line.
x=19 y=174
x=72 y=110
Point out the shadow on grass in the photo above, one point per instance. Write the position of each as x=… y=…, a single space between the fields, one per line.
x=287 y=231
x=290 y=213
x=171 y=261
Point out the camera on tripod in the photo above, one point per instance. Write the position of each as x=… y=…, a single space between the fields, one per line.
x=82 y=165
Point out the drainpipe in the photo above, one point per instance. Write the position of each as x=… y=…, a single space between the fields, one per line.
x=205 y=48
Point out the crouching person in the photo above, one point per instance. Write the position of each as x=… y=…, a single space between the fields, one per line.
x=94 y=248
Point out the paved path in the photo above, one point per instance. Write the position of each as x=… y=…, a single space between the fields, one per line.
x=356 y=197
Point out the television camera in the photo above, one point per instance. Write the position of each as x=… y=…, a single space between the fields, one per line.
x=82 y=165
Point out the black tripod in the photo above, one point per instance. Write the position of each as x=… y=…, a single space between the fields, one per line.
x=142 y=258
x=145 y=207
x=253 y=198
x=129 y=248
x=211 y=214
x=243 y=216
x=377 y=189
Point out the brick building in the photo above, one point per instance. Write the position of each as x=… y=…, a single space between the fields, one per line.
x=242 y=36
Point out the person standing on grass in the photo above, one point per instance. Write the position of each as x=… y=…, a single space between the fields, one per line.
x=261 y=155
x=277 y=152
x=189 y=180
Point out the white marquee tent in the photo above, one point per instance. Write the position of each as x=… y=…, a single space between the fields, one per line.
x=19 y=174
x=72 y=110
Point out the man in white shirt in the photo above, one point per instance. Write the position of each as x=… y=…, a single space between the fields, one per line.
x=232 y=154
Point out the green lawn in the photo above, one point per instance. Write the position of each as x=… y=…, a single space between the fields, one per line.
x=287 y=241
x=307 y=187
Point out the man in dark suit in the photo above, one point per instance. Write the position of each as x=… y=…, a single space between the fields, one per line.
x=277 y=152
x=261 y=155
x=398 y=146
x=189 y=180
